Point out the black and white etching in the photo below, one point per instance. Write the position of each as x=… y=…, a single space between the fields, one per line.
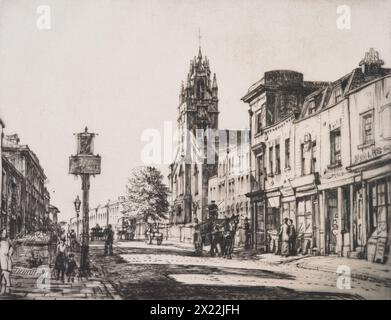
x=168 y=150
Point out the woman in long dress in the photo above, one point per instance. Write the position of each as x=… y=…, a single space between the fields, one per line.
x=284 y=236
x=6 y=251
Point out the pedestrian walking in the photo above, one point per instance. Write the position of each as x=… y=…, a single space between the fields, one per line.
x=6 y=251
x=73 y=240
x=284 y=236
x=53 y=240
x=109 y=241
x=292 y=238
x=71 y=268
x=60 y=264
x=247 y=234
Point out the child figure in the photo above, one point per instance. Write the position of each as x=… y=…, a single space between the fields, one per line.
x=71 y=268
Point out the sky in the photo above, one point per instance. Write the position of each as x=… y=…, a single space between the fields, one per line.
x=116 y=66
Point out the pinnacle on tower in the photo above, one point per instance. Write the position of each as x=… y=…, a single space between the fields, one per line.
x=214 y=86
x=214 y=83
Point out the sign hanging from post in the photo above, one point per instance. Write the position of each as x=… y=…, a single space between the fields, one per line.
x=84 y=164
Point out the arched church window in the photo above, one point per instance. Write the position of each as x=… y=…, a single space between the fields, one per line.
x=181 y=181
x=200 y=89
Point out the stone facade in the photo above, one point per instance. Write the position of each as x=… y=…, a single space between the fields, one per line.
x=11 y=199
x=34 y=196
x=321 y=157
x=229 y=187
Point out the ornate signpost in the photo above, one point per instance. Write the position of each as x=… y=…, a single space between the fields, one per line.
x=84 y=164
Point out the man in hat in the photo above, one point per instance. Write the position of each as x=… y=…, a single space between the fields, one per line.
x=109 y=241
x=247 y=234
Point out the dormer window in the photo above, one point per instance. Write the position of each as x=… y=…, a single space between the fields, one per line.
x=311 y=107
x=338 y=94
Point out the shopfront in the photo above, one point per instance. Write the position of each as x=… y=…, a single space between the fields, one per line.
x=257 y=207
x=273 y=220
x=379 y=219
x=307 y=218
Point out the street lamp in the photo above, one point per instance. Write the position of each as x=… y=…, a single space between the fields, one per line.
x=107 y=213
x=77 y=204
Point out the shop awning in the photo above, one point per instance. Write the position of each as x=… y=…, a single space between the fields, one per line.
x=273 y=202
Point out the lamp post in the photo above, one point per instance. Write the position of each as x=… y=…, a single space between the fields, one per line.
x=85 y=164
x=107 y=213
x=77 y=204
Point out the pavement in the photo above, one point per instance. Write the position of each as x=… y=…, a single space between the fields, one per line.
x=360 y=269
x=40 y=284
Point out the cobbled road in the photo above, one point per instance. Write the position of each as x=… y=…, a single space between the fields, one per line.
x=141 y=271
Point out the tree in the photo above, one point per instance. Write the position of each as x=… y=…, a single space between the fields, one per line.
x=147 y=194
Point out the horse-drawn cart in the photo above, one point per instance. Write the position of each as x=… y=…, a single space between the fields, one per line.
x=152 y=233
x=219 y=234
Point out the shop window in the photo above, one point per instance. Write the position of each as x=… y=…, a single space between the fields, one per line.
x=335 y=147
x=272 y=218
x=304 y=215
x=288 y=210
x=379 y=205
x=367 y=128
x=287 y=153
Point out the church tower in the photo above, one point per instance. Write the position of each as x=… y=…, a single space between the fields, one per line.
x=197 y=110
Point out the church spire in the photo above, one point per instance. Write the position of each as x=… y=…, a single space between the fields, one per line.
x=199 y=54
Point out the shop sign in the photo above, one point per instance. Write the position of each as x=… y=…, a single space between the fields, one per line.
x=372 y=153
x=84 y=164
x=274 y=202
x=287 y=191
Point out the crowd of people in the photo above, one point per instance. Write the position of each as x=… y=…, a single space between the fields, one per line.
x=62 y=246
x=67 y=246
